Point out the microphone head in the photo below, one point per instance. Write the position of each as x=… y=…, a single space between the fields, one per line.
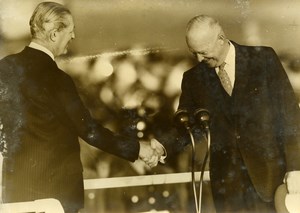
x=202 y=117
x=182 y=117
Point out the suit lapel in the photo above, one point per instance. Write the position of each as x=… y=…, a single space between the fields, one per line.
x=229 y=106
x=215 y=97
x=219 y=99
x=241 y=72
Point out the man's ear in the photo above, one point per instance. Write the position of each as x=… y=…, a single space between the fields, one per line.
x=53 y=35
x=222 y=39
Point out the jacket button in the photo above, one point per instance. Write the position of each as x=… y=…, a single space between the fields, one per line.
x=238 y=137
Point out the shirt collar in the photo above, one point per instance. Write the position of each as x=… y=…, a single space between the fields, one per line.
x=41 y=48
x=229 y=60
x=229 y=63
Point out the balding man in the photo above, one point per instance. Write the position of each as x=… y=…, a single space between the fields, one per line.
x=42 y=116
x=254 y=117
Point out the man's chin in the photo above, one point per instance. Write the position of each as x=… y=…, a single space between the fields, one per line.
x=64 y=52
x=211 y=65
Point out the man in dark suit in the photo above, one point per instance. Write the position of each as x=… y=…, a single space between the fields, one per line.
x=42 y=117
x=254 y=125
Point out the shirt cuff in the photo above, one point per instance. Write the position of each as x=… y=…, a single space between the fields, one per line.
x=164 y=156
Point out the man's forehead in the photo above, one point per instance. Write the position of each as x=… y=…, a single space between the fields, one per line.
x=202 y=36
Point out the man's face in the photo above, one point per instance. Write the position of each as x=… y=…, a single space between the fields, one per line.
x=205 y=46
x=65 y=36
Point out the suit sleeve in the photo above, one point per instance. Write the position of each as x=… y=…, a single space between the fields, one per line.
x=89 y=129
x=177 y=138
x=288 y=116
x=186 y=99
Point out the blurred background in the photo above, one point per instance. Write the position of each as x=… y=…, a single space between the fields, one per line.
x=127 y=61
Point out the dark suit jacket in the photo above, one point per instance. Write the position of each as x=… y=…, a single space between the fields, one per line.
x=42 y=117
x=261 y=119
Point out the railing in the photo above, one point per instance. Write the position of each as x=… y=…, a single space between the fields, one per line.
x=53 y=206
x=142 y=180
x=38 y=206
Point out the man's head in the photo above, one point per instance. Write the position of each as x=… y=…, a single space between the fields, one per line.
x=206 y=40
x=52 y=26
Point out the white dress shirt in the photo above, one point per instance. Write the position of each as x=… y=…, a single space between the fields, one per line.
x=230 y=64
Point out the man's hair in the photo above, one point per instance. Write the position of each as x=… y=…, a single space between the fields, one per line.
x=202 y=19
x=46 y=17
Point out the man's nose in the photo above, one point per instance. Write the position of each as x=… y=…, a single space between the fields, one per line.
x=73 y=35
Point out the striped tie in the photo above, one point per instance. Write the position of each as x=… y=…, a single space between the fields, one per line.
x=224 y=78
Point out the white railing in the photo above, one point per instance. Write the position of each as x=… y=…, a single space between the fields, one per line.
x=142 y=180
x=38 y=206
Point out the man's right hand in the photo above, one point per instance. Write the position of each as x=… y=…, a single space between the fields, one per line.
x=152 y=152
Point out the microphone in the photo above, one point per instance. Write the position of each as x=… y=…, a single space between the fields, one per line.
x=182 y=117
x=202 y=117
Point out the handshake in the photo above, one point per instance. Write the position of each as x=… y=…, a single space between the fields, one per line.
x=152 y=152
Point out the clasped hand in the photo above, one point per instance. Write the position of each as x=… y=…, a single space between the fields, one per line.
x=152 y=152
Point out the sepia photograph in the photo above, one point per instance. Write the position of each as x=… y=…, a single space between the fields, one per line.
x=138 y=106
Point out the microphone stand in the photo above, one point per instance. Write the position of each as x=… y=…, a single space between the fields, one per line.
x=207 y=137
x=197 y=203
x=182 y=117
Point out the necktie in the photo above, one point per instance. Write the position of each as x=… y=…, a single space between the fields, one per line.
x=224 y=78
